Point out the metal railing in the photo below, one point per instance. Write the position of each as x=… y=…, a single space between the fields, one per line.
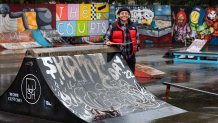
x=168 y=85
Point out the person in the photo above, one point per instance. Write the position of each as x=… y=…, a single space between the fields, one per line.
x=123 y=33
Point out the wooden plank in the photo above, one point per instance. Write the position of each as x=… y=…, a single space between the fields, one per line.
x=149 y=70
x=60 y=51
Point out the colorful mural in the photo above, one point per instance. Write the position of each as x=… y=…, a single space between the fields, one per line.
x=203 y=22
x=200 y=29
x=22 y=17
x=154 y=22
x=82 y=19
x=80 y=22
x=21 y=24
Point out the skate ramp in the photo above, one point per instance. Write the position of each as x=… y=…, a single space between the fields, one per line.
x=69 y=87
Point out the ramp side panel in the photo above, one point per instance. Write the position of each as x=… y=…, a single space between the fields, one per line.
x=29 y=94
x=86 y=82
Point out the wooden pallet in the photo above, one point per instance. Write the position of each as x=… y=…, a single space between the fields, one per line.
x=196 y=57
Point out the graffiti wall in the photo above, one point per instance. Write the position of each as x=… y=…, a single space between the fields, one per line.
x=20 y=17
x=19 y=22
x=154 y=21
x=195 y=22
x=30 y=21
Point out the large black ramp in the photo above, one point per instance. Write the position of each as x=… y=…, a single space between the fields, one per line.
x=69 y=87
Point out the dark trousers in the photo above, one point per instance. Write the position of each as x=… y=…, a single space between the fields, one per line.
x=131 y=63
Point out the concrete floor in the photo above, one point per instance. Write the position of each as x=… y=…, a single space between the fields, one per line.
x=194 y=75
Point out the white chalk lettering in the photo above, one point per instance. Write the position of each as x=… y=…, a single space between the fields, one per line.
x=52 y=69
x=87 y=63
x=118 y=60
x=61 y=67
x=72 y=67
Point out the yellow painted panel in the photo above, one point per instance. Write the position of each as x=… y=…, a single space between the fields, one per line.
x=85 y=12
x=102 y=7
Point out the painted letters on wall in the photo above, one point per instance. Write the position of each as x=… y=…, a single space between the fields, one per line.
x=82 y=19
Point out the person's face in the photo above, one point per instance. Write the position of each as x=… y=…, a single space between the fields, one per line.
x=124 y=15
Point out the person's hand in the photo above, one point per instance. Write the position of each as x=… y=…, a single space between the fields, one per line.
x=108 y=43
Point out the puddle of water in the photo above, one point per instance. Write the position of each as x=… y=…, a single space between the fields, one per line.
x=202 y=108
x=196 y=101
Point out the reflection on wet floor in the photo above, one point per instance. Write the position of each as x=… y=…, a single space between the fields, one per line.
x=190 y=117
x=203 y=108
x=195 y=101
x=180 y=76
x=210 y=68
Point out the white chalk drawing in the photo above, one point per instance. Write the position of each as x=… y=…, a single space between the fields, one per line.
x=31 y=89
x=89 y=82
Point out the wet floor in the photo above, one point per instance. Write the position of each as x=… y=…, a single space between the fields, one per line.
x=202 y=108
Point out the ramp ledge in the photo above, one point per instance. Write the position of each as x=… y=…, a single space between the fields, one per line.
x=74 y=50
